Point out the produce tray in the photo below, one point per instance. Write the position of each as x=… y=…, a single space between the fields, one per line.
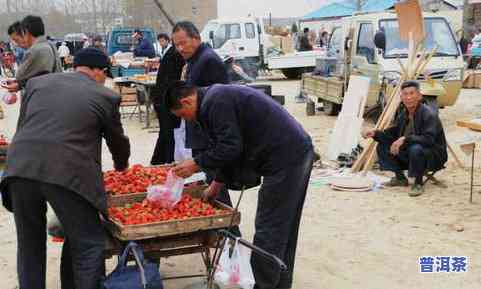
x=135 y=196
x=194 y=189
x=170 y=228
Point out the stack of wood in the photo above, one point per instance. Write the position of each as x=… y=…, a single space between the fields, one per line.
x=417 y=60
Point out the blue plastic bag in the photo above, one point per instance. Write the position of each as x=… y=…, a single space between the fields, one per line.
x=142 y=275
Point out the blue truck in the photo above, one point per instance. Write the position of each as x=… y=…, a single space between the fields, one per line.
x=120 y=39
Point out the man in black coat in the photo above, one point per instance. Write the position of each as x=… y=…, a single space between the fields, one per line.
x=204 y=68
x=415 y=142
x=55 y=157
x=248 y=128
x=170 y=70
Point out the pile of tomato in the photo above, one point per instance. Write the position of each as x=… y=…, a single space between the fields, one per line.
x=3 y=140
x=134 y=180
x=150 y=212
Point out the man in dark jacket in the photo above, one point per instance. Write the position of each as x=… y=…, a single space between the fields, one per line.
x=144 y=47
x=55 y=157
x=204 y=68
x=304 y=42
x=170 y=70
x=248 y=127
x=415 y=142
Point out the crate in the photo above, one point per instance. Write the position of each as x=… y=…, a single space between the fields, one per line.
x=194 y=189
x=169 y=228
x=324 y=88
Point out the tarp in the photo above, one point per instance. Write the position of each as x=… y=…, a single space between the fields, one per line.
x=347 y=8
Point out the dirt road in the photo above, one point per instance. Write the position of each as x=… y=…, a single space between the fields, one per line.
x=369 y=240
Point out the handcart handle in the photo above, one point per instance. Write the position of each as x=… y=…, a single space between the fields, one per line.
x=255 y=249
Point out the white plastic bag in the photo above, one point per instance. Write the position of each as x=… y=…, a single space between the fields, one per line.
x=168 y=194
x=235 y=270
x=181 y=153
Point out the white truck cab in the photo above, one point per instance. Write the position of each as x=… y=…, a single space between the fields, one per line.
x=246 y=41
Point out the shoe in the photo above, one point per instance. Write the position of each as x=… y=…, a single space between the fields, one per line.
x=416 y=190
x=397 y=182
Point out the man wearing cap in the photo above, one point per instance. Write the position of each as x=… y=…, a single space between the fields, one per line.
x=55 y=157
x=416 y=142
x=144 y=47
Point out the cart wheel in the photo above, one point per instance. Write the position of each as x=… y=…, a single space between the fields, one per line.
x=292 y=73
x=330 y=108
x=310 y=107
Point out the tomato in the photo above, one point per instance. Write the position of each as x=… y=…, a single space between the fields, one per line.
x=149 y=212
x=134 y=180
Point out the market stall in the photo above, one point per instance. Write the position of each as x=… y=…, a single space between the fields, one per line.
x=143 y=84
x=192 y=226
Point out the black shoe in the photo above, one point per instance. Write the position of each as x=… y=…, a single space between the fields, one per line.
x=416 y=190
x=397 y=182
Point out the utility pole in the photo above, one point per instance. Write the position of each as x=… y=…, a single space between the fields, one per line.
x=166 y=15
x=359 y=5
x=94 y=10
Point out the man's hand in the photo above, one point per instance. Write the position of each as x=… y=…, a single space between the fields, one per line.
x=369 y=133
x=396 y=146
x=122 y=168
x=213 y=190
x=186 y=169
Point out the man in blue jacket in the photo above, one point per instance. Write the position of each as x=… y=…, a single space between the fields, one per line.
x=204 y=68
x=247 y=127
x=144 y=47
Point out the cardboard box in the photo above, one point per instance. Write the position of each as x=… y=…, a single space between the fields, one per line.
x=472 y=79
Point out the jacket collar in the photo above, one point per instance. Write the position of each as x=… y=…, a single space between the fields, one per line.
x=200 y=100
x=198 y=53
x=83 y=76
x=38 y=41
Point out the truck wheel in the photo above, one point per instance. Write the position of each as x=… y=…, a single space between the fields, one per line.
x=330 y=108
x=292 y=73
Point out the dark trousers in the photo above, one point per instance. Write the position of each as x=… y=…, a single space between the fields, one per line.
x=411 y=158
x=280 y=203
x=83 y=263
x=165 y=146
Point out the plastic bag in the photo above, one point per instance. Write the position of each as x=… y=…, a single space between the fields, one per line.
x=181 y=153
x=168 y=194
x=234 y=270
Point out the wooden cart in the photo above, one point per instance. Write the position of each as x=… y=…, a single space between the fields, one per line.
x=326 y=90
x=171 y=238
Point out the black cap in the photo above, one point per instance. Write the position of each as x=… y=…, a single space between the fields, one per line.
x=93 y=58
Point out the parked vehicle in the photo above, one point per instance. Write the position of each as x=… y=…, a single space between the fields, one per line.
x=120 y=39
x=246 y=40
x=353 y=45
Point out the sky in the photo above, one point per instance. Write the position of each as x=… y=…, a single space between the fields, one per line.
x=261 y=8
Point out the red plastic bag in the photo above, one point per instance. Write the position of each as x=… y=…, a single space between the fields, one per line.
x=168 y=194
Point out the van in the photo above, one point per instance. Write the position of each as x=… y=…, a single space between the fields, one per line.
x=352 y=43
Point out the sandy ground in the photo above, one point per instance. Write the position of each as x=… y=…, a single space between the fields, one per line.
x=348 y=240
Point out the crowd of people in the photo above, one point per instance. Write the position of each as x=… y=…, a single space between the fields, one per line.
x=55 y=154
x=235 y=134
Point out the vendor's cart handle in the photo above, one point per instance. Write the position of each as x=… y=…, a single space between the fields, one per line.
x=255 y=249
